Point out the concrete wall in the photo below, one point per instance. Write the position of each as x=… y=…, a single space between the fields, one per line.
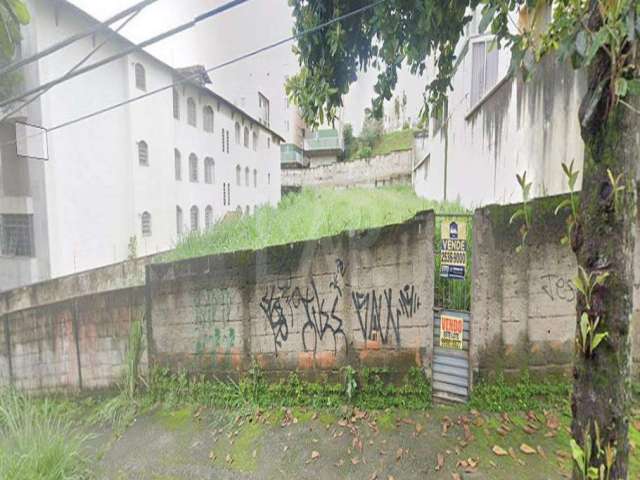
x=371 y=172
x=361 y=298
x=523 y=304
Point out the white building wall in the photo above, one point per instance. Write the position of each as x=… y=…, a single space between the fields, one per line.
x=94 y=187
x=516 y=127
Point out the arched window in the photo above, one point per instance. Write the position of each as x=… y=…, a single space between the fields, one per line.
x=141 y=77
x=246 y=137
x=194 y=218
x=193 y=168
x=179 y=221
x=208 y=217
x=191 y=112
x=246 y=176
x=237 y=128
x=177 y=158
x=255 y=141
x=238 y=174
x=143 y=153
x=223 y=139
x=207 y=119
x=209 y=170
x=146 y=224
x=176 y=104
x=255 y=177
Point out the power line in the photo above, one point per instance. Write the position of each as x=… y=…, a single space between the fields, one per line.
x=76 y=66
x=209 y=70
x=127 y=51
x=74 y=38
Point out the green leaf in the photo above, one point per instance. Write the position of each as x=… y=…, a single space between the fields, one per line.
x=21 y=11
x=633 y=86
x=599 y=337
x=584 y=330
x=487 y=17
x=518 y=213
x=577 y=453
x=621 y=87
x=564 y=204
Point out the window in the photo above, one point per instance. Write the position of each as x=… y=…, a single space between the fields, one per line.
x=224 y=193
x=246 y=137
x=255 y=177
x=191 y=112
x=141 y=77
x=176 y=104
x=179 y=221
x=146 y=224
x=484 y=69
x=237 y=130
x=177 y=158
x=193 y=168
x=209 y=170
x=16 y=235
x=223 y=140
x=246 y=176
x=227 y=132
x=228 y=194
x=207 y=119
x=238 y=174
x=194 y=218
x=208 y=217
x=143 y=153
x=255 y=141
x=268 y=178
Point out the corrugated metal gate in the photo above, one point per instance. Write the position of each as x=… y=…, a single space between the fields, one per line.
x=451 y=320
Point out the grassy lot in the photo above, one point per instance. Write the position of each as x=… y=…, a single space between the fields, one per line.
x=389 y=142
x=191 y=428
x=311 y=214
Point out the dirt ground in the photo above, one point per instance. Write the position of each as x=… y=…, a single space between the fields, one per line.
x=441 y=443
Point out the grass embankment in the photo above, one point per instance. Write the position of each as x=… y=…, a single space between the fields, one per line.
x=399 y=141
x=311 y=214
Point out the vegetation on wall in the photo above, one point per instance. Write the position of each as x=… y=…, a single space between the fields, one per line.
x=311 y=214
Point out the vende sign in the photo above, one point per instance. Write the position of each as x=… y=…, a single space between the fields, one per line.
x=451 y=332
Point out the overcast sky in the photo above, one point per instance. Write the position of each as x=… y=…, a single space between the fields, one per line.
x=232 y=33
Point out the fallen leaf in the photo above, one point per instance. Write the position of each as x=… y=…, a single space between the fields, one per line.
x=562 y=454
x=315 y=455
x=399 y=454
x=373 y=476
x=526 y=449
x=512 y=453
x=529 y=430
x=456 y=476
x=212 y=456
x=314 y=416
x=439 y=462
x=541 y=452
x=355 y=461
x=229 y=458
x=552 y=422
x=501 y=452
x=418 y=427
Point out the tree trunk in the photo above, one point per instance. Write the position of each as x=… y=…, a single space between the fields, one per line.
x=604 y=241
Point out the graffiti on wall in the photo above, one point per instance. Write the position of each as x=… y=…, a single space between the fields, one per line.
x=280 y=303
x=380 y=312
x=212 y=309
x=558 y=288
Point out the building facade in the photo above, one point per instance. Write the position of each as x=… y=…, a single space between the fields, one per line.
x=132 y=180
x=496 y=126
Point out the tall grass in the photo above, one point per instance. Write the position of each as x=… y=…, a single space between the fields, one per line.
x=310 y=214
x=37 y=441
x=120 y=411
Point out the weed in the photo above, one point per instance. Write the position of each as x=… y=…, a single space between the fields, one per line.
x=522 y=394
x=38 y=441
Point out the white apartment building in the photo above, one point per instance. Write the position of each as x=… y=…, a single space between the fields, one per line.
x=142 y=174
x=497 y=126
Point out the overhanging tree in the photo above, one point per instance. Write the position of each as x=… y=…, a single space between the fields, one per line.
x=598 y=36
x=13 y=13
